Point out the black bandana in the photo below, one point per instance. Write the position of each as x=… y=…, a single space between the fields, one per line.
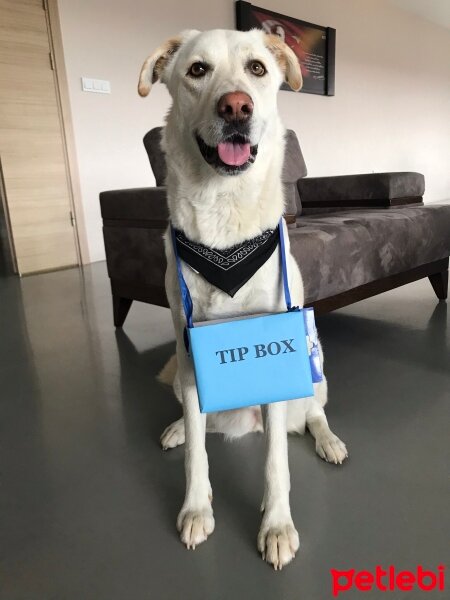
x=231 y=268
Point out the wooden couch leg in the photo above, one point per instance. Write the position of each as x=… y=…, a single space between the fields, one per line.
x=439 y=281
x=121 y=306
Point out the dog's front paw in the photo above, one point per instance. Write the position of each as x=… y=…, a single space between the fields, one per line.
x=195 y=525
x=331 y=448
x=278 y=543
x=173 y=435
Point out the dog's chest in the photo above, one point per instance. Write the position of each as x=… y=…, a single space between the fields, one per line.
x=262 y=293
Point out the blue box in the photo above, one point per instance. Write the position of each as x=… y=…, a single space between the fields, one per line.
x=251 y=361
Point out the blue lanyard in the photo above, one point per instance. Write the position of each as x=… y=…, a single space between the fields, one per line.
x=186 y=296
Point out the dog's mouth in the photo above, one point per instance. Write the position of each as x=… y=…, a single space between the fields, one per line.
x=231 y=156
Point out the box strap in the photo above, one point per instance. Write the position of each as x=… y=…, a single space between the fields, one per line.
x=186 y=296
x=185 y=293
x=287 y=293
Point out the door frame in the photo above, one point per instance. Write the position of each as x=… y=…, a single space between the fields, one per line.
x=62 y=92
x=10 y=258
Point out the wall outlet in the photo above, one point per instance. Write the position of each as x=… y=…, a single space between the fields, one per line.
x=99 y=86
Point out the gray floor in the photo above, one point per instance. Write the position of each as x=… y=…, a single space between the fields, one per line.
x=88 y=500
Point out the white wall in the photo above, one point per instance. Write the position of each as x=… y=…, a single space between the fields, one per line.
x=391 y=110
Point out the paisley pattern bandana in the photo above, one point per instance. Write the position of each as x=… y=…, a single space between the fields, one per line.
x=231 y=268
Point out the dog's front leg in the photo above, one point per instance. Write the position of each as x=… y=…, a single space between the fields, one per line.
x=195 y=521
x=277 y=538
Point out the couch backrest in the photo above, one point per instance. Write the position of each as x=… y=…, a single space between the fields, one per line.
x=294 y=165
x=152 y=143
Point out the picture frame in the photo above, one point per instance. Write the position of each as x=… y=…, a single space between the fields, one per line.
x=314 y=45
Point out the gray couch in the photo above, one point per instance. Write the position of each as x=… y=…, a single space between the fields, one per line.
x=353 y=236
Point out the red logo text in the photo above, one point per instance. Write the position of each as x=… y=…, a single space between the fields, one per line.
x=388 y=580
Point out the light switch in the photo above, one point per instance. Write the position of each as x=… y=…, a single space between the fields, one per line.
x=87 y=84
x=99 y=86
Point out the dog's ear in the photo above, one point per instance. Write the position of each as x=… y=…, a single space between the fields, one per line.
x=286 y=59
x=153 y=67
x=155 y=64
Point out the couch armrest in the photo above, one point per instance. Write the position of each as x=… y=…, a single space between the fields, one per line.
x=134 y=221
x=138 y=207
x=368 y=190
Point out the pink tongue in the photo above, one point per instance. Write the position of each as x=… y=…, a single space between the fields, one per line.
x=233 y=154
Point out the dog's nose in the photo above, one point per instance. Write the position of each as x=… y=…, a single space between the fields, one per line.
x=235 y=106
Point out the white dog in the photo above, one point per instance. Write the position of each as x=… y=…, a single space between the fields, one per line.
x=224 y=146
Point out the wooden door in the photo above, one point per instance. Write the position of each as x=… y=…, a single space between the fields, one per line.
x=32 y=150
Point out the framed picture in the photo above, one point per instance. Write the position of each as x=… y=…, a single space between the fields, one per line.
x=314 y=45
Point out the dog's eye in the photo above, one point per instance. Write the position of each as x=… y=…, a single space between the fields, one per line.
x=198 y=69
x=257 y=68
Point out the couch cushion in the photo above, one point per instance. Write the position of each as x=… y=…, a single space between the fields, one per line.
x=337 y=252
x=294 y=167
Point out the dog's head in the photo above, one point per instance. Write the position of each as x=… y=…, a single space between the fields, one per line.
x=224 y=86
